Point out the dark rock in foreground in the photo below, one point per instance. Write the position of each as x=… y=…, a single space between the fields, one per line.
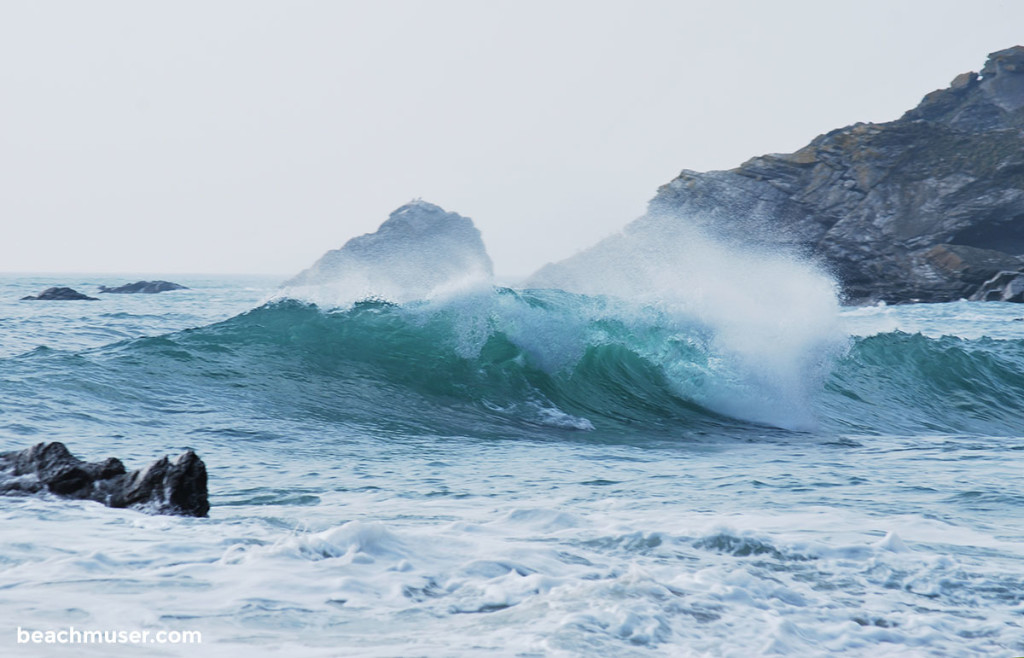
x=163 y=487
x=924 y=208
x=144 y=287
x=60 y=294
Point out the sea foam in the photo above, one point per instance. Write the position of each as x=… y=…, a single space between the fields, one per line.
x=773 y=316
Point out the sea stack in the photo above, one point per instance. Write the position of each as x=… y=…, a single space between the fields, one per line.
x=419 y=249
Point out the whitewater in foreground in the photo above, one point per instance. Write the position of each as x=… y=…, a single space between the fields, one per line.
x=520 y=472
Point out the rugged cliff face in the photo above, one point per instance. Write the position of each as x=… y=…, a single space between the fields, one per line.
x=924 y=208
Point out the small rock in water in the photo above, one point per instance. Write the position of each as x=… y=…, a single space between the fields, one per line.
x=144 y=287
x=59 y=294
x=163 y=487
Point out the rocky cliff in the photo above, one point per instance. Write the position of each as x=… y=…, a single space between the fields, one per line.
x=924 y=208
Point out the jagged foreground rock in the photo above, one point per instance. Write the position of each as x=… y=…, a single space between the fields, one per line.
x=418 y=250
x=163 y=487
x=924 y=208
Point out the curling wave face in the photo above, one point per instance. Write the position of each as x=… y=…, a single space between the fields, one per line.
x=534 y=358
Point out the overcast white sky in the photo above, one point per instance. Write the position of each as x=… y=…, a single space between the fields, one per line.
x=252 y=136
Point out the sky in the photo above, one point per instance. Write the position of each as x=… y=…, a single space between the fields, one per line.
x=251 y=136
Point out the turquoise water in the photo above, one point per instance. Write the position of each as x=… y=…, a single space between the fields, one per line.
x=517 y=472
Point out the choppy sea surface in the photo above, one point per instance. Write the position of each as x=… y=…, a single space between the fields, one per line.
x=517 y=472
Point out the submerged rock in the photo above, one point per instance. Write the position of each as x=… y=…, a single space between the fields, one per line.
x=60 y=294
x=144 y=287
x=163 y=487
x=924 y=208
x=418 y=250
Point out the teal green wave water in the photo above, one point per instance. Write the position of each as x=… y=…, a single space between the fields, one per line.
x=898 y=383
x=542 y=361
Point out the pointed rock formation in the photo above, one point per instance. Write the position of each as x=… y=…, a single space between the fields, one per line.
x=420 y=249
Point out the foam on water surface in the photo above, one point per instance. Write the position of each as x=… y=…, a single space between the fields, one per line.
x=521 y=472
x=566 y=561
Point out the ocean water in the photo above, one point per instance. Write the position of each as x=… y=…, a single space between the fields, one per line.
x=521 y=473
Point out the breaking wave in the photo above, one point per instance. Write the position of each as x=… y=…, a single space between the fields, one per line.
x=507 y=362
